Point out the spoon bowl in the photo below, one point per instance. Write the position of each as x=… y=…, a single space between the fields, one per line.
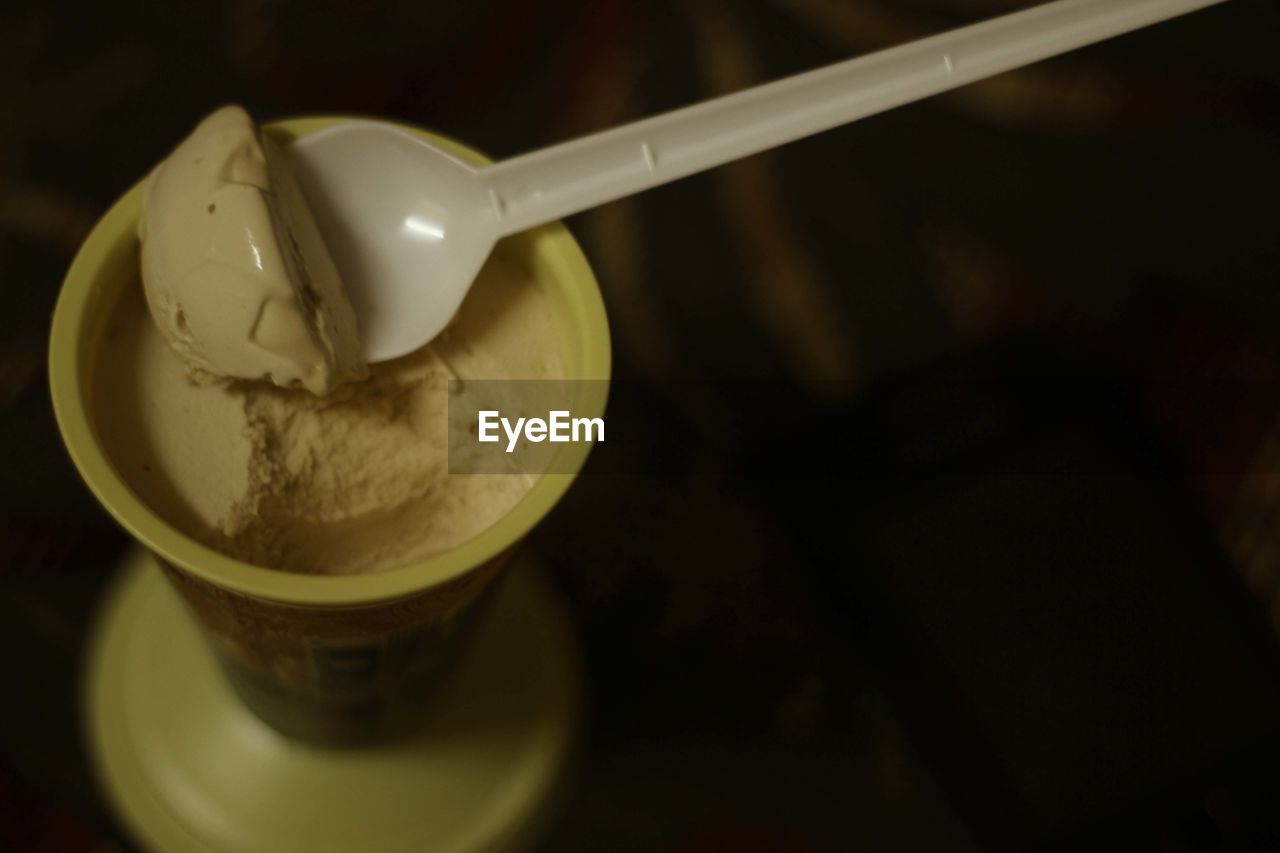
x=408 y=224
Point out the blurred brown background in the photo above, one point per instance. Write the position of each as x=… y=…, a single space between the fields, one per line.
x=1114 y=209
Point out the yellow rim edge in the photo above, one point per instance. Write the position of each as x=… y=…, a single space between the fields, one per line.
x=68 y=367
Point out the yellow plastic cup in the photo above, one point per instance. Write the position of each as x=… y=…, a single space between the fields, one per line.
x=323 y=658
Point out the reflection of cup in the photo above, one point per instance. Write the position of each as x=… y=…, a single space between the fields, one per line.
x=330 y=659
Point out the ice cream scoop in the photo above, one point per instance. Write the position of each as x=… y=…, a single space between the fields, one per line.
x=236 y=274
x=411 y=224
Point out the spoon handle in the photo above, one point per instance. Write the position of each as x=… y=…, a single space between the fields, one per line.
x=554 y=182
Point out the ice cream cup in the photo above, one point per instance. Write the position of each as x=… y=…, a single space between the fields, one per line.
x=332 y=659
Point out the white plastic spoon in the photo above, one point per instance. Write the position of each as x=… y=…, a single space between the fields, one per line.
x=410 y=225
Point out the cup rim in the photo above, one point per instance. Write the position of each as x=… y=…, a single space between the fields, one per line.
x=68 y=380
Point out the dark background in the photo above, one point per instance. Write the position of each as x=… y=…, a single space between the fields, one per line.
x=1022 y=591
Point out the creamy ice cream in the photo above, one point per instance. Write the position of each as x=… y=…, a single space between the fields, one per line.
x=237 y=276
x=355 y=481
